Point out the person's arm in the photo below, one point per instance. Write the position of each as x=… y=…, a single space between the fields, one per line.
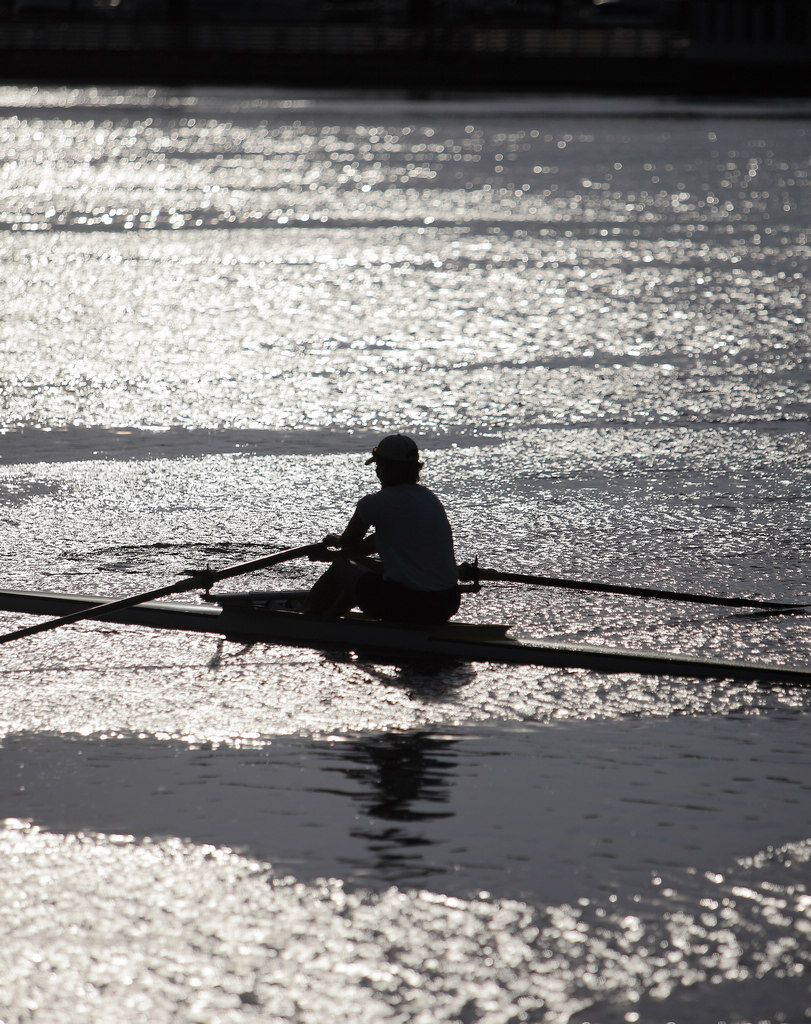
x=353 y=541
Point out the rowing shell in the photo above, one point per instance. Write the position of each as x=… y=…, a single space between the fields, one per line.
x=244 y=619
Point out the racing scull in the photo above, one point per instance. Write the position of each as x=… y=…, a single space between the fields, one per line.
x=260 y=617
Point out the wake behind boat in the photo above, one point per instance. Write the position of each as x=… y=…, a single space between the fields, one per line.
x=268 y=617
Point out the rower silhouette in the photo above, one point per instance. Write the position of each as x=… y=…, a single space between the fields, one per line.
x=415 y=578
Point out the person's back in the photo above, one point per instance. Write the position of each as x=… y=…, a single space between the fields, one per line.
x=413 y=535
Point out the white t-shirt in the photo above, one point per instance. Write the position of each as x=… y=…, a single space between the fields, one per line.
x=414 y=538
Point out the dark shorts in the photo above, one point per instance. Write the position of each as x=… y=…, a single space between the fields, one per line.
x=384 y=599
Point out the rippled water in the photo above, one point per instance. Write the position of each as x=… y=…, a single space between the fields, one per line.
x=594 y=315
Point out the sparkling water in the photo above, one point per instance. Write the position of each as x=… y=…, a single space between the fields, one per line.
x=593 y=316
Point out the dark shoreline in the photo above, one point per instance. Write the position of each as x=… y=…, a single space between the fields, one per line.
x=420 y=59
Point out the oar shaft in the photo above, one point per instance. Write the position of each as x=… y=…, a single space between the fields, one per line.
x=257 y=563
x=199 y=579
x=99 y=609
x=617 y=588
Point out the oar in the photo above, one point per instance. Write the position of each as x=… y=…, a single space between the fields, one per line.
x=204 y=578
x=472 y=571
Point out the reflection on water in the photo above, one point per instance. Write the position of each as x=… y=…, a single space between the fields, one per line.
x=367 y=799
x=404 y=779
x=403 y=770
x=552 y=813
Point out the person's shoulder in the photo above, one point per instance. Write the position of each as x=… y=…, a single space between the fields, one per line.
x=427 y=493
x=369 y=499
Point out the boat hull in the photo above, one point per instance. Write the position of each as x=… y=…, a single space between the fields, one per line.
x=396 y=641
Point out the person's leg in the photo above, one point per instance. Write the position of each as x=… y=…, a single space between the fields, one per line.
x=334 y=592
x=386 y=600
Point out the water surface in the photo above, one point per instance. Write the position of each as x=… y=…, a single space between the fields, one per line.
x=593 y=316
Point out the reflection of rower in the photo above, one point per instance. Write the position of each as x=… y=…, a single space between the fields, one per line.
x=408 y=769
x=405 y=779
x=416 y=579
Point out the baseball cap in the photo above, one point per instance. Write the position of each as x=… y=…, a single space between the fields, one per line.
x=395 y=448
